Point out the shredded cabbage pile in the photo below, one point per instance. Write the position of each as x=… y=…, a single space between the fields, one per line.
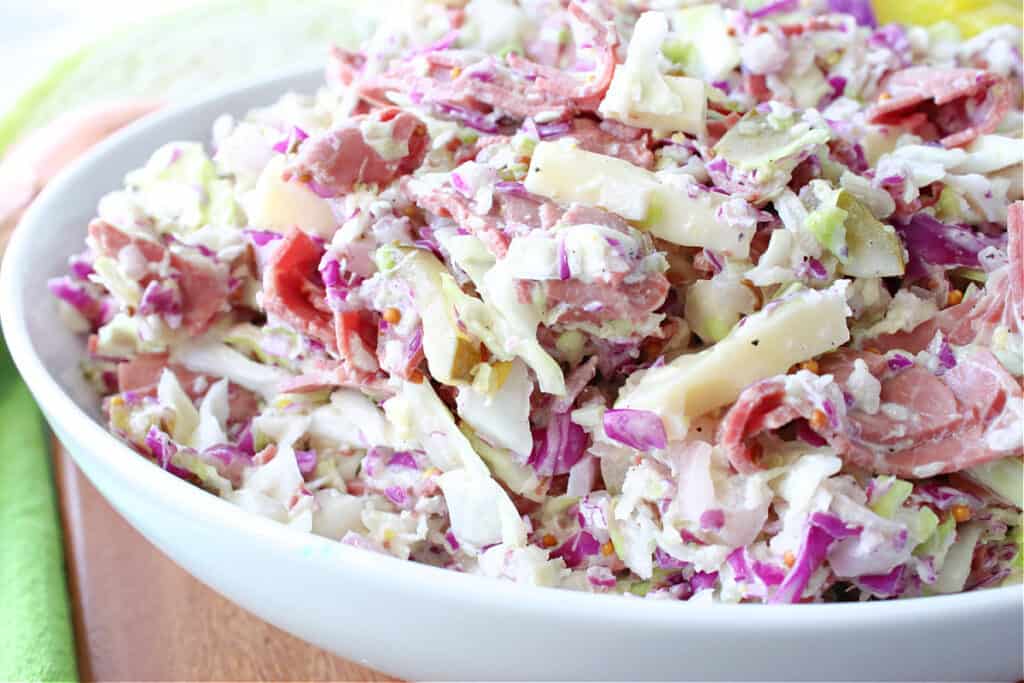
x=716 y=302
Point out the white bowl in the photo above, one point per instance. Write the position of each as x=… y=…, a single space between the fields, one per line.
x=420 y=622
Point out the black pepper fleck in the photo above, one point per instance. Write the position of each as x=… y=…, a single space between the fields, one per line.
x=755 y=342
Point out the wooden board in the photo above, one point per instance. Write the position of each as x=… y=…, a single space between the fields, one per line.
x=138 y=616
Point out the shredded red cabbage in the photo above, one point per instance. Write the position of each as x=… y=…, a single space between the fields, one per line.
x=576 y=549
x=428 y=241
x=639 y=429
x=745 y=570
x=944 y=497
x=883 y=585
x=512 y=188
x=81 y=266
x=230 y=461
x=71 y=293
x=703 y=580
x=397 y=495
x=947 y=360
x=403 y=459
x=823 y=529
x=306 y=460
x=894 y=37
x=546 y=131
x=688 y=537
x=714 y=259
x=805 y=433
x=601 y=577
x=768 y=574
x=295 y=135
x=557 y=447
x=712 y=520
x=564 y=272
x=591 y=515
x=163 y=449
x=261 y=237
x=666 y=561
x=469 y=118
x=898 y=362
x=814 y=269
x=770 y=8
x=246 y=442
x=442 y=43
x=861 y=10
x=460 y=185
x=737 y=559
x=161 y=299
x=929 y=241
x=836 y=527
x=838 y=85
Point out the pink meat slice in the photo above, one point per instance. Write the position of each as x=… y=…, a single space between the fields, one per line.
x=943 y=423
x=613 y=139
x=204 y=286
x=914 y=341
x=587 y=94
x=981 y=385
x=449 y=79
x=444 y=202
x=330 y=373
x=519 y=87
x=292 y=289
x=766 y=405
x=598 y=302
x=952 y=105
x=143 y=372
x=1002 y=300
x=990 y=401
x=931 y=406
x=341 y=158
x=109 y=241
x=839 y=363
x=508 y=214
x=356 y=332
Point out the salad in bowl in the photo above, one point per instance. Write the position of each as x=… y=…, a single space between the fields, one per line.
x=705 y=303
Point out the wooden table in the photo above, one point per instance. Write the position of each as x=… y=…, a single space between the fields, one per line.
x=139 y=616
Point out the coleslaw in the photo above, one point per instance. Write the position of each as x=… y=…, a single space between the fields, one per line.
x=713 y=302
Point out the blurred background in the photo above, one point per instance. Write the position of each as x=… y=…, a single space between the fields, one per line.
x=35 y=34
x=61 y=54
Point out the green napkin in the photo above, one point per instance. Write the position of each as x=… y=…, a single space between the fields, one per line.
x=36 y=639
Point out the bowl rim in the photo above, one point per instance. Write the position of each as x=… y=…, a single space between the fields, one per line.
x=175 y=494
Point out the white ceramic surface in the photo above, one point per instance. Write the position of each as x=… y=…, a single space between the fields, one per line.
x=424 y=623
